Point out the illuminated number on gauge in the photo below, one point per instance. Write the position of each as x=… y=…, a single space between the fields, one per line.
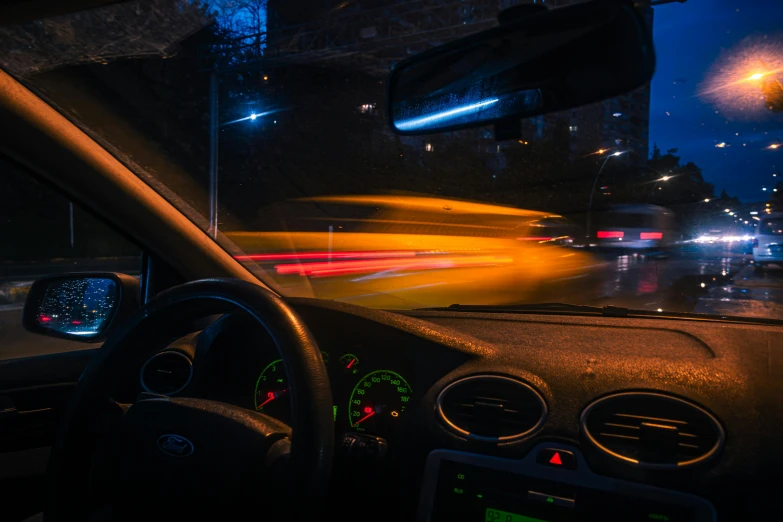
x=350 y=363
x=271 y=395
x=377 y=402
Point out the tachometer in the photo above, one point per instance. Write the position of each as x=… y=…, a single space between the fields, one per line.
x=272 y=391
x=271 y=394
x=377 y=402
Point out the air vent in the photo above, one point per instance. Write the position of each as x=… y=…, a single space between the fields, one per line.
x=652 y=430
x=166 y=373
x=491 y=408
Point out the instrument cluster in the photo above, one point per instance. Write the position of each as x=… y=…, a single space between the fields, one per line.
x=367 y=399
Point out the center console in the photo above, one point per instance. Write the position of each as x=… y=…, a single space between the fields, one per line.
x=551 y=484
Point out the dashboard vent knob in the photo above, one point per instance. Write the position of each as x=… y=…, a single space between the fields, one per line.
x=166 y=373
x=652 y=430
x=491 y=408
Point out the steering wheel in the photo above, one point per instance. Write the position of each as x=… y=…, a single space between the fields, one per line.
x=164 y=458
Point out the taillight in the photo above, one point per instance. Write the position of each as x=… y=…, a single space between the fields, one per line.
x=651 y=235
x=610 y=234
x=755 y=242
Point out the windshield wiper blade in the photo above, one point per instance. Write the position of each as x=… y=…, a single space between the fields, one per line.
x=604 y=311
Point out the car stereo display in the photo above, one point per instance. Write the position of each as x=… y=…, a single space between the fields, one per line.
x=467 y=493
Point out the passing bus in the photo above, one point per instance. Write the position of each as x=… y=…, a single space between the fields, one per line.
x=636 y=227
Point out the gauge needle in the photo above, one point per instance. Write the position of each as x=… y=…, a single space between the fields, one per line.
x=272 y=397
x=364 y=418
x=351 y=363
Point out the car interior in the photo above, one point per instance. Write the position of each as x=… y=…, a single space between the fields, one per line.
x=195 y=391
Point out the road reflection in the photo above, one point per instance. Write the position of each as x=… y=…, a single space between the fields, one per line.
x=712 y=279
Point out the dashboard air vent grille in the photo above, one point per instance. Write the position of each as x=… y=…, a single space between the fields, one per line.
x=166 y=373
x=652 y=430
x=491 y=408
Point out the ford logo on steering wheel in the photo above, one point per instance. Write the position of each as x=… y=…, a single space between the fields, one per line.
x=175 y=445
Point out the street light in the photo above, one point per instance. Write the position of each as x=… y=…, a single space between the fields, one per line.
x=595 y=182
x=746 y=78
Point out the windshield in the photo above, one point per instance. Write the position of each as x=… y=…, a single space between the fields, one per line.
x=263 y=121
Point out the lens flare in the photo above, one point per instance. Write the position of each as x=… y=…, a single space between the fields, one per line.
x=743 y=78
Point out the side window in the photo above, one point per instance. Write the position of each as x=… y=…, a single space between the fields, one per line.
x=43 y=233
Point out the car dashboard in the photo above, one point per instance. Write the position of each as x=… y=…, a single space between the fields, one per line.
x=515 y=417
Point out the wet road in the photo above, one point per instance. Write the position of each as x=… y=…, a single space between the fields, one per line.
x=709 y=279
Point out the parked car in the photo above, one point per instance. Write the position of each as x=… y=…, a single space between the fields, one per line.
x=768 y=243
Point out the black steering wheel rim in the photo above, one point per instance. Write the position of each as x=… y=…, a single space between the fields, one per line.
x=312 y=425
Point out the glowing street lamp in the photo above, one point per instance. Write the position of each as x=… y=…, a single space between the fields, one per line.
x=746 y=78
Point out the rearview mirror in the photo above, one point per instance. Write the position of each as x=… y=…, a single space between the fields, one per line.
x=535 y=62
x=80 y=307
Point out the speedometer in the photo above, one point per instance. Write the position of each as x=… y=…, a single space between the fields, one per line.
x=377 y=402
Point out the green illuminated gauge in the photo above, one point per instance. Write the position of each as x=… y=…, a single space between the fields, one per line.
x=377 y=402
x=349 y=363
x=271 y=394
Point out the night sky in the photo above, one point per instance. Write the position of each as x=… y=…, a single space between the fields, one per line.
x=689 y=40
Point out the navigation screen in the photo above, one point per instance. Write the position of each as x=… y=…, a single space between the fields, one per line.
x=467 y=493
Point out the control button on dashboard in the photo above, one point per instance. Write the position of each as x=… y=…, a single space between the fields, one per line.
x=556 y=458
x=551 y=499
x=360 y=445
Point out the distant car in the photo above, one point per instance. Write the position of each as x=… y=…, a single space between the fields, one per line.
x=768 y=245
x=634 y=227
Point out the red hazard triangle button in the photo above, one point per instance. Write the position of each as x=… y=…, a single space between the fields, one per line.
x=556 y=458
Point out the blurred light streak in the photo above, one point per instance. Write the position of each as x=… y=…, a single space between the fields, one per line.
x=325 y=255
x=365 y=266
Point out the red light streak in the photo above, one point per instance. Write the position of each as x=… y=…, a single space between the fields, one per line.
x=44 y=319
x=603 y=234
x=651 y=235
x=326 y=255
x=365 y=266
